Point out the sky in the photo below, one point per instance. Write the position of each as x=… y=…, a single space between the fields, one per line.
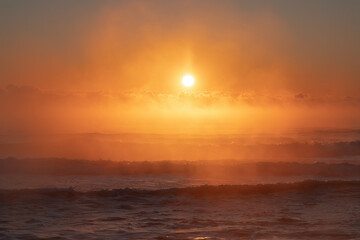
x=116 y=66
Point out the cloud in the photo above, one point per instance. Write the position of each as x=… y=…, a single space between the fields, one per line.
x=197 y=98
x=301 y=96
x=30 y=109
x=21 y=89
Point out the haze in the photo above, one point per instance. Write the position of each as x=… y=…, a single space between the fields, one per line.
x=116 y=66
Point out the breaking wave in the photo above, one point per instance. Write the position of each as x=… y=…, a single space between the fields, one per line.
x=65 y=167
x=195 y=191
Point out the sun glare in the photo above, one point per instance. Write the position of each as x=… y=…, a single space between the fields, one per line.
x=188 y=80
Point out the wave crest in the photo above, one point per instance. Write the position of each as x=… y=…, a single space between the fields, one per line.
x=194 y=191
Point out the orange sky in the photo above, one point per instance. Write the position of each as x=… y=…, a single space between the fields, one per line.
x=110 y=66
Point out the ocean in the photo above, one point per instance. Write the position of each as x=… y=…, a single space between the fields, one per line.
x=306 y=196
x=177 y=206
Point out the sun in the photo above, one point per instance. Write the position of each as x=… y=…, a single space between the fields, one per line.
x=188 y=80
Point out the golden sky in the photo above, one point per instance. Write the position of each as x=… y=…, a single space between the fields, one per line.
x=116 y=66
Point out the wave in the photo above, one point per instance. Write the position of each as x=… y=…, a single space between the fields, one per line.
x=301 y=145
x=64 y=167
x=194 y=191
